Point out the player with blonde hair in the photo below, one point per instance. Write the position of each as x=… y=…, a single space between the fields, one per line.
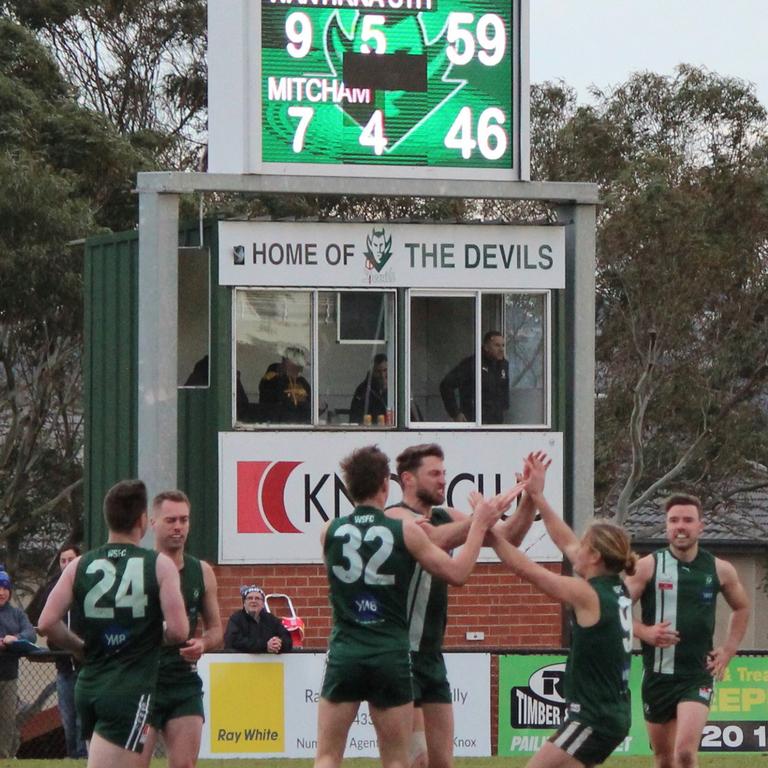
x=597 y=671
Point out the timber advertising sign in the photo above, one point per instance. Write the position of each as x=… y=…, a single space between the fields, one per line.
x=385 y=255
x=532 y=706
x=276 y=494
x=412 y=88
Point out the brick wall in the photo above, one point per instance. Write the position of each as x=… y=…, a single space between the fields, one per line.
x=510 y=613
x=306 y=585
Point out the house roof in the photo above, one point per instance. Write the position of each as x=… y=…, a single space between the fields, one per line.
x=741 y=521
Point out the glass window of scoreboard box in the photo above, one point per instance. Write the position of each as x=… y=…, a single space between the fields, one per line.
x=343 y=87
x=320 y=358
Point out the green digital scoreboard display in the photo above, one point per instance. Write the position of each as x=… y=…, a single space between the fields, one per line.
x=430 y=88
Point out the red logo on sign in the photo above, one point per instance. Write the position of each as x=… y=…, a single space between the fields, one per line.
x=260 y=496
x=665 y=585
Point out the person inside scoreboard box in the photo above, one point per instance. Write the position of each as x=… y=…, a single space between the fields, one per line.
x=494 y=382
x=371 y=397
x=284 y=394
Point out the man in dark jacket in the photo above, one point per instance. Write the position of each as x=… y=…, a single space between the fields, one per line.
x=254 y=629
x=371 y=394
x=494 y=378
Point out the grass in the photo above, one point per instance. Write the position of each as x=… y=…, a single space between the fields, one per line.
x=752 y=760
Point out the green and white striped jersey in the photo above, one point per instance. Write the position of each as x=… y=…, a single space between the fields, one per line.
x=685 y=595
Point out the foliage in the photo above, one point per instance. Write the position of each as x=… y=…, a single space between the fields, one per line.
x=139 y=63
x=63 y=173
x=681 y=162
x=682 y=279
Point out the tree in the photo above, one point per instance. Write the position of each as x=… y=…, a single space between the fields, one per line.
x=63 y=172
x=139 y=63
x=682 y=279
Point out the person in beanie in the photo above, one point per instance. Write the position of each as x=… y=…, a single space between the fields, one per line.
x=14 y=625
x=254 y=629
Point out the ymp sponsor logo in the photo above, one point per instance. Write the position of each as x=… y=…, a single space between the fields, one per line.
x=540 y=704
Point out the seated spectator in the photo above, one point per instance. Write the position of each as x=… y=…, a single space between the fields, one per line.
x=371 y=397
x=14 y=625
x=284 y=394
x=254 y=629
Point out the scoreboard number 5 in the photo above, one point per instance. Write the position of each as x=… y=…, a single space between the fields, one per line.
x=370 y=32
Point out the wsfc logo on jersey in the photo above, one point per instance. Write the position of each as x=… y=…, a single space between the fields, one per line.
x=540 y=704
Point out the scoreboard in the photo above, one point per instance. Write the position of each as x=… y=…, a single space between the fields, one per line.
x=417 y=88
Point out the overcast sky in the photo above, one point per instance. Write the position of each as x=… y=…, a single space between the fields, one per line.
x=602 y=42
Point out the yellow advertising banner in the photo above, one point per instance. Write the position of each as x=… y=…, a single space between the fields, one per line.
x=247 y=708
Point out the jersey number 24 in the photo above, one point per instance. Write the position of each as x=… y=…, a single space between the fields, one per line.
x=130 y=591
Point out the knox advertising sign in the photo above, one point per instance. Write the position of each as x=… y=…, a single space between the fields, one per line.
x=384 y=255
x=278 y=491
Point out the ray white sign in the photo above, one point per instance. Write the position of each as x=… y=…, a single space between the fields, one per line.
x=277 y=491
x=266 y=706
x=388 y=255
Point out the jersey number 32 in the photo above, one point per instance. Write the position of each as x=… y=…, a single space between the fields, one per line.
x=356 y=567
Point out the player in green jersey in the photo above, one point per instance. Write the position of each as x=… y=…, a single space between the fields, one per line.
x=178 y=710
x=678 y=588
x=130 y=600
x=421 y=470
x=370 y=559
x=597 y=670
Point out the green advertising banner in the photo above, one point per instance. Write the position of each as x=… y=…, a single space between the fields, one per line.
x=531 y=706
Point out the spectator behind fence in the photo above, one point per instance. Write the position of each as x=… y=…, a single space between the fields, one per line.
x=14 y=625
x=66 y=668
x=253 y=629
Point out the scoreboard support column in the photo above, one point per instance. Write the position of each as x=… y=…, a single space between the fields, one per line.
x=158 y=340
